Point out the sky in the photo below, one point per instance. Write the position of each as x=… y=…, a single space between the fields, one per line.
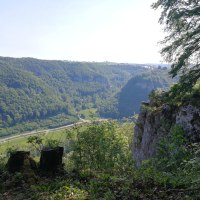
x=124 y=31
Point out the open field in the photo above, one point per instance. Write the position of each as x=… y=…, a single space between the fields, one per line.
x=19 y=141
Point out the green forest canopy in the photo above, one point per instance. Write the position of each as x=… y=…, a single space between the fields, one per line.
x=182 y=43
x=51 y=93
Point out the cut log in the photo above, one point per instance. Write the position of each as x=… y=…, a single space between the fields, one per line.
x=51 y=159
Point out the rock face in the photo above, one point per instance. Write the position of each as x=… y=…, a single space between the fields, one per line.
x=155 y=122
x=189 y=118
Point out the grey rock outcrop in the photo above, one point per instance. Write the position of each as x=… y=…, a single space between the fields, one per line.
x=189 y=118
x=155 y=122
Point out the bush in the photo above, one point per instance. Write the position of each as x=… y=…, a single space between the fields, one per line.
x=172 y=150
x=101 y=147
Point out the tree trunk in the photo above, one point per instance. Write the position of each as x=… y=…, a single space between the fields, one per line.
x=16 y=161
x=51 y=159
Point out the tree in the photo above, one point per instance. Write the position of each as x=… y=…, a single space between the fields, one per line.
x=100 y=147
x=182 y=44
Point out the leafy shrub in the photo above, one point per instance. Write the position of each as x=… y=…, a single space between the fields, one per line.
x=51 y=143
x=172 y=150
x=69 y=192
x=38 y=143
x=101 y=147
x=2 y=163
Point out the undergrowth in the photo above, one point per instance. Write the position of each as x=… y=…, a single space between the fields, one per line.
x=99 y=166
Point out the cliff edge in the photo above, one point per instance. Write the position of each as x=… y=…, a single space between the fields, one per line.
x=155 y=121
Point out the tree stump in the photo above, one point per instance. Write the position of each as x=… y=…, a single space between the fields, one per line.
x=16 y=161
x=51 y=158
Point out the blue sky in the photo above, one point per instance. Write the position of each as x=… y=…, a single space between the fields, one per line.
x=81 y=30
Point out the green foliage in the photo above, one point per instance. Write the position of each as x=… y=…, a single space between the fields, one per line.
x=176 y=164
x=88 y=114
x=128 y=100
x=2 y=164
x=181 y=20
x=36 y=141
x=11 y=150
x=51 y=122
x=172 y=150
x=190 y=168
x=101 y=147
x=51 y=143
x=157 y=97
x=39 y=93
x=103 y=168
x=69 y=193
x=177 y=95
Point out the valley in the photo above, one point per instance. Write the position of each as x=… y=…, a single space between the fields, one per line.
x=99 y=102
x=38 y=94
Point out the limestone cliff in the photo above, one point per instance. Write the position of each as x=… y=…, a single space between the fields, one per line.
x=155 y=122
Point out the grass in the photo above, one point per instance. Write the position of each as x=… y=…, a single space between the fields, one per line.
x=21 y=142
x=15 y=143
x=59 y=135
x=88 y=113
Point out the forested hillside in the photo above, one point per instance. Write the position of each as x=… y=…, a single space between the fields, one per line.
x=46 y=94
x=128 y=100
x=50 y=93
x=154 y=155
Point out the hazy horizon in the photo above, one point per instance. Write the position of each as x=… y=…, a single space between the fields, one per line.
x=81 y=30
x=106 y=61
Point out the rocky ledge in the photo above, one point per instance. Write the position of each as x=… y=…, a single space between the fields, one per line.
x=155 y=122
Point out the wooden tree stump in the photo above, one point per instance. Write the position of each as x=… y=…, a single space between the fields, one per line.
x=51 y=158
x=16 y=161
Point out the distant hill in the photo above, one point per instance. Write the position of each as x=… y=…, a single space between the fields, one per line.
x=128 y=100
x=35 y=93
